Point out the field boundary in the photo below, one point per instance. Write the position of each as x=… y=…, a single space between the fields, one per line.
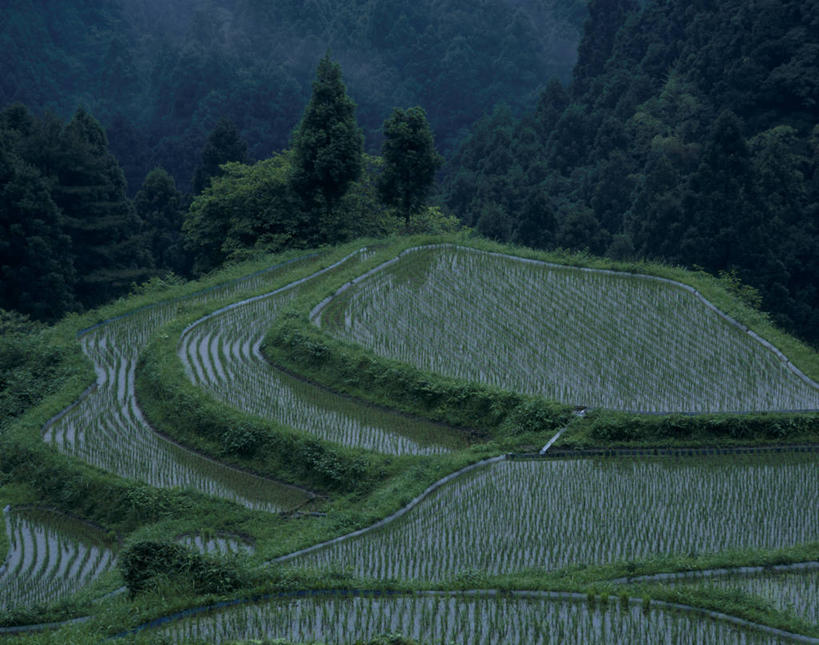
x=719 y=572
x=263 y=296
x=188 y=296
x=569 y=453
x=162 y=436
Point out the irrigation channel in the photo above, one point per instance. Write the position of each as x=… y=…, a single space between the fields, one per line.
x=614 y=509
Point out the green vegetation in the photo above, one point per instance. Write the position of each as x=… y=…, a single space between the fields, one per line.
x=410 y=161
x=160 y=77
x=686 y=135
x=614 y=430
x=794 y=593
x=327 y=150
x=143 y=562
x=188 y=366
x=220 y=355
x=224 y=145
x=323 y=433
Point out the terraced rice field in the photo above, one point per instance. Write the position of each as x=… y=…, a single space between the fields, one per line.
x=221 y=355
x=517 y=515
x=107 y=429
x=458 y=619
x=224 y=545
x=583 y=337
x=797 y=593
x=579 y=336
x=50 y=557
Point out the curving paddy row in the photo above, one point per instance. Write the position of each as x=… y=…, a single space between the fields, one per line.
x=50 y=556
x=221 y=355
x=553 y=514
x=580 y=336
x=479 y=619
x=107 y=429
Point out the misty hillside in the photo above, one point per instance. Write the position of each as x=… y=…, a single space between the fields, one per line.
x=159 y=75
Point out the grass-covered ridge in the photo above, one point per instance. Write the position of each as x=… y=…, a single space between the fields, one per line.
x=171 y=366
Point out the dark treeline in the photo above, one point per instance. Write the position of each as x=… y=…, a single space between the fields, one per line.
x=160 y=75
x=688 y=134
x=70 y=238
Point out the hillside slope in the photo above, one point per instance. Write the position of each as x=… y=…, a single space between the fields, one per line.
x=159 y=75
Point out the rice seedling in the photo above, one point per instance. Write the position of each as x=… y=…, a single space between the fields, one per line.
x=452 y=618
x=797 y=592
x=224 y=545
x=518 y=515
x=580 y=336
x=107 y=428
x=221 y=354
x=50 y=557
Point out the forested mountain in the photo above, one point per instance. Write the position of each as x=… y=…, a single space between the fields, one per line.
x=686 y=132
x=689 y=134
x=160 y=75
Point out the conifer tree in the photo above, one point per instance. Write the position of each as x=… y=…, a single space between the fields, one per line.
x=328 y=148
x=36 y=269
x=109 y=254
x=160 y=207
x=410 y=160
x=606 y=17
x=723 y=209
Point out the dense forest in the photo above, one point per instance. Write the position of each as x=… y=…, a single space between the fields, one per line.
x=160 y=75
x=685 y=132
x=688 y=134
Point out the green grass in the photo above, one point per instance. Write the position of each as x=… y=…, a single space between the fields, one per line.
x=219 y=354
x=794 y=593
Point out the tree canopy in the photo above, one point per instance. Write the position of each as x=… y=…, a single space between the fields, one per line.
x=410 y=160
x=327 y=149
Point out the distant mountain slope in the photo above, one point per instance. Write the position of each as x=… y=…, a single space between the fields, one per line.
x=159 y=75
x=689 y=133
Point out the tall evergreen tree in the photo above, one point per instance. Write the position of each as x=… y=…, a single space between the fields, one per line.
x=725 y=218
x=109 y=254
x=36 y=269
x=224 y=144
x=410 y=160
x=328 y=148
x=160 y=206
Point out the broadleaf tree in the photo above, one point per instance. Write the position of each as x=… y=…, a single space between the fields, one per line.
x=224 y=144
